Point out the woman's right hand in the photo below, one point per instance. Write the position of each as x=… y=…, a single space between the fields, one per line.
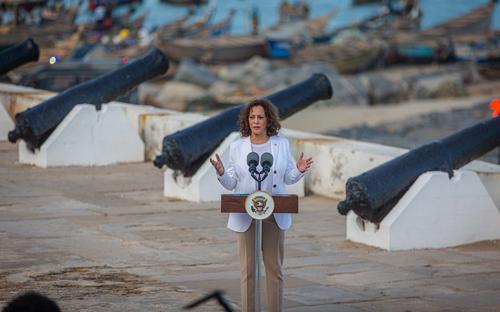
x=217 y=163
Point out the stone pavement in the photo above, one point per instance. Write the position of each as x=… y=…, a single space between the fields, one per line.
x=105 y=239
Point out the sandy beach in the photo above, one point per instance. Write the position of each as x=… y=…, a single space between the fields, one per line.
x=330 y=119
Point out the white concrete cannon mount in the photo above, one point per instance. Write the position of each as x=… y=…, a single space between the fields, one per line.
x=87 y=137
x=436 y=212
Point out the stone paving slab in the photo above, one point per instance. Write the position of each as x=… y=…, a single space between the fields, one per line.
x=314 y=295
x=471 y=301
x=105 y=239
x=325 y=307
x=403 y=305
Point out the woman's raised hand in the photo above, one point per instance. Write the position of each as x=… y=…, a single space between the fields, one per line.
x=217 y=163
x=304 y=164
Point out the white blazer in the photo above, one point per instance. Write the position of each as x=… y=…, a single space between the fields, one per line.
x=237 y=177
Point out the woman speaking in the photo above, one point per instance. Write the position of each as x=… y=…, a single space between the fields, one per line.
x=259 y=125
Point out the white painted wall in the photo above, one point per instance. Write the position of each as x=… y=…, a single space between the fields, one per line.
x=6 y=123
x=134 y=112
x=16 y=99
x=337 y=159
x=155 y=126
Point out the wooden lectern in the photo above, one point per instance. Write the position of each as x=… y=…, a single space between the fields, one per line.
x=237 y=203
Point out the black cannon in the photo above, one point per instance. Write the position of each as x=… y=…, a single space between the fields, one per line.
x=374 y=193
x=187 y=149
x=25 y=52
x=35 y=124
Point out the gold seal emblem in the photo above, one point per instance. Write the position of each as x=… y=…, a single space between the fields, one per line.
x=259 y=205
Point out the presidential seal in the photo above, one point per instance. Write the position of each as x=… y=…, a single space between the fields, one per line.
x=259 y=205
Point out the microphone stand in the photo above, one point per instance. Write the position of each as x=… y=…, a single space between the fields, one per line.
x=256 y=175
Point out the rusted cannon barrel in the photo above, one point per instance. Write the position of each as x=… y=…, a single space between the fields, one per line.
x=187 y=149
x=25 y=52
x=374 y=193
x=35 y=124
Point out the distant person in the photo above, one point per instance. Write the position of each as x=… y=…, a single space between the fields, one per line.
x=405 y=8
x=255 y=20
x=107 y=22
x=99 y=14
x=31 y=302
x=286 y=11
x=408 y=6
x=7 y=17
x=302 y=10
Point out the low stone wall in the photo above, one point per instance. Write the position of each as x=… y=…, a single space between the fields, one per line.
x=335 y=159
x=16 y=99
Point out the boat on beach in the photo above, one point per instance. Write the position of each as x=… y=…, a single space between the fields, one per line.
x=438 y=43
x=210 y=50
x=171 y=30
x=463 y=28
x=180 y=28
x=218 y=29
x=349 y=58
x=284 y=39
x=207 y=47
x=363 y=2
x=484 y=54
x=185 y=2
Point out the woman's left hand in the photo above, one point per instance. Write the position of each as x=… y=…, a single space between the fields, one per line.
x=304 y=164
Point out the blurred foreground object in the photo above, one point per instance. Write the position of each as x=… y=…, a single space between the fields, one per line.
x=495 y=106
x=217 y=294
x=31 y=302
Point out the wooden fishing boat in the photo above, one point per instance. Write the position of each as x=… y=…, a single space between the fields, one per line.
x=489 y=68
x=180 y=28
x=215 y=50
x=92 y=4
x=172 y=29
x=460 y=29
x=218 y=29
x=53 y=38
x=485 y=54
x=283 y=40
x=63 y=75
x=438 y=43
x=352 y=58
x=316 y=27
x=363 y=2
x=425 y=52
x=476 y=22
x=186 y=2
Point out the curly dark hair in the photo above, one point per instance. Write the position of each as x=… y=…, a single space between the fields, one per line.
x=272 y=115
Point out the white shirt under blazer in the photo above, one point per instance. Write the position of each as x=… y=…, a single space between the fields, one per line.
x=237 y=177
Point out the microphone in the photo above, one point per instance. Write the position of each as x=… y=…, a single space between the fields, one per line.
x=266 y=161
x=252 y=161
